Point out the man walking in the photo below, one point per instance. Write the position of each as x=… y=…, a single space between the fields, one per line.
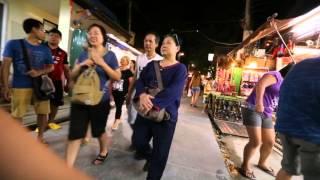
x=60 y=73
x=41 y=63
x=298 y=121
x=150 y=44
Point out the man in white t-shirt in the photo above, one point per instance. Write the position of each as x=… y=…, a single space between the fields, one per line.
x=150 y=43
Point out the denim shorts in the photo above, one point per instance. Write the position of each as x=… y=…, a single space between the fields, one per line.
x=255 y=119
x=195 y=90
x=300 y=156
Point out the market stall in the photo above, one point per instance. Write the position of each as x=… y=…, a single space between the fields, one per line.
x=271 y=47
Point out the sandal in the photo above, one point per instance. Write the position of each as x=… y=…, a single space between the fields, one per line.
x=100 y=159
x=269 y=170
x=246 y=173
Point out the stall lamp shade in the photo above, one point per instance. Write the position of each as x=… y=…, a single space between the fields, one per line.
x=210 y=56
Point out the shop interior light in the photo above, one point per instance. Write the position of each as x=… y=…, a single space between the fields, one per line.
x=253 y=65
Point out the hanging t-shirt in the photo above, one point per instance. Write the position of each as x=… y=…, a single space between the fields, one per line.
x=123 y=84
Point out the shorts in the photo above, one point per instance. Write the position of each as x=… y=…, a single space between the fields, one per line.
x=255 y=119
x=57 y=99
x=195 y=90
x=81 y=115
x=300 y=156
x=22 y=98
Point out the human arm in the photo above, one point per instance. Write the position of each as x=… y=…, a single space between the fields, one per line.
x=7 y=61
x=131 y=87
x=25 y=158
x=35 y=73
x=264 y=82
x=114 y=74
x=174 y=90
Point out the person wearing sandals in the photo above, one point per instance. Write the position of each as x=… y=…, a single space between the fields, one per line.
x=257 y=117
x=120 y=89
x=107 y=68
x=173 y=76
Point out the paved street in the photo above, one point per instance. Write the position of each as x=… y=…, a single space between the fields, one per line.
x=194 y=153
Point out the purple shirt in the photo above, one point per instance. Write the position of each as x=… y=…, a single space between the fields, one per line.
x=271 y=95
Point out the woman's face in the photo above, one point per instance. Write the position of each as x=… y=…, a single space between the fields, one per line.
x=169 y=47
x=95 y=36
x=124 y=62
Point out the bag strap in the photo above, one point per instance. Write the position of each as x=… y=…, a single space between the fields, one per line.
x=25 y=55
x=158 y=74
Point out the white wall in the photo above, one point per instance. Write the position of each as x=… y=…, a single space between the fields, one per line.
x=18 y=10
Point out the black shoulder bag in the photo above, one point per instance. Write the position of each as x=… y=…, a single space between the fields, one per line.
x=43 y=87
x=153 y=114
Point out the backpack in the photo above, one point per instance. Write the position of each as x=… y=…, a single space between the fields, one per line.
x=86 y=90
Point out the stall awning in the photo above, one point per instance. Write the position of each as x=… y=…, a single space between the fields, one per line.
x=265 y=29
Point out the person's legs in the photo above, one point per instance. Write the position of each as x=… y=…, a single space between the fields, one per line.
x=55 y=102
x=53 y=112
x=283 y=175
x=162 y=139
x=310 y=159
x=119 y=100
x=99 y=115
x=268 y=140
x=254 y=134
x=21 y=99
x=196 y=97
x=73 y=147
x=141 y=137
x=291 y=161
x=42 y=109
x=79 y=120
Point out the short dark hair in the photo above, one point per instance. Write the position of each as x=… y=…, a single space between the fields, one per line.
x=156 y=35
x=175 y=37
x=103 y=32
x=284 y=71
x=30 y=23
x=55 y=31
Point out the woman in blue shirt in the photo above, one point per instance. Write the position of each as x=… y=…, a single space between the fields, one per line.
x=107 y=68
x=173 y=75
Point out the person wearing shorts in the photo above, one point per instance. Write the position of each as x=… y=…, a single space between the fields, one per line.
x=107 y=68
x=298 y=121
x=22 y=89
x=257 y=117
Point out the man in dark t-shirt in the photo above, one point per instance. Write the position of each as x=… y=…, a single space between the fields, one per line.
x=60 y=75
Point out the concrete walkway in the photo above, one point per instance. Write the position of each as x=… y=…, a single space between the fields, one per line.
x=194 y=153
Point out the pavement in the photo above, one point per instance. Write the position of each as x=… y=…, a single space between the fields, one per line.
x=235 y=145
x=194 y=154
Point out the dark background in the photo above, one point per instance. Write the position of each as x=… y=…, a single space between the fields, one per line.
x=216 y=21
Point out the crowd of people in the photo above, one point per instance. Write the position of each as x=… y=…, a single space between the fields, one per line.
x=131 y=80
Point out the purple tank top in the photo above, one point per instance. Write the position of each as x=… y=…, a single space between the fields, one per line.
x=271 y=95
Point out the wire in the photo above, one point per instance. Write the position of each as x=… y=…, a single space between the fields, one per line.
x=218 y=42
x=206 y=37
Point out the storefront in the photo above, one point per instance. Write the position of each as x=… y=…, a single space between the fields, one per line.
x=72 y=18
x=271 y=47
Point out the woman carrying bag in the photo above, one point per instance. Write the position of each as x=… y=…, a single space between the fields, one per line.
x=173 y=75
x=106 y=66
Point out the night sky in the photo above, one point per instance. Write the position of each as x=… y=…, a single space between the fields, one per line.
x=216 y=21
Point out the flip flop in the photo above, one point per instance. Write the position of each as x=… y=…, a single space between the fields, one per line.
x=99 y=159
x=246 y=173
x=269 y=171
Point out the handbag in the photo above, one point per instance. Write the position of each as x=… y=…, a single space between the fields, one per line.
x=153 y=114
x=42 y=86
